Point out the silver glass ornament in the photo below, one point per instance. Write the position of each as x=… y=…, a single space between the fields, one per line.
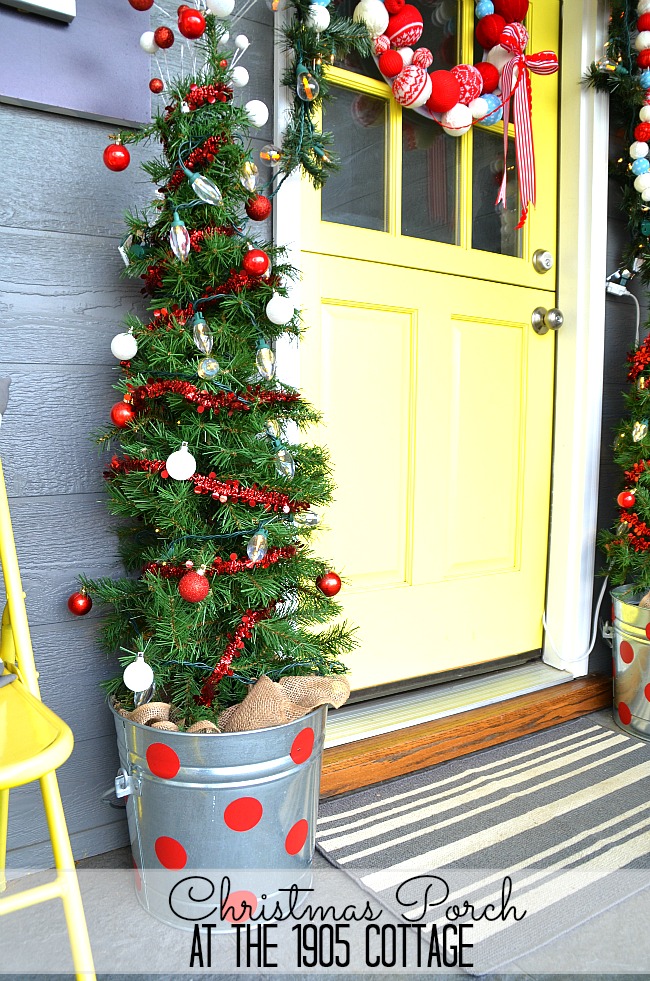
x=257 y=546
x=208 y=368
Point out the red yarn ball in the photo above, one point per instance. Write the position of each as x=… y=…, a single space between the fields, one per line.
x=642 y=132
x=141 y=4
x=445 y=92
x=394 y=6
x=255 y=262
x=258 y=208
x=193 y=587
x=626 y=499
x=116 y=157
x=122 y=414
x=156 y=85
x=391 y=63
x=643 y=23
x=329 y=584
x=488 y=30
x=80 y=603
x=643 y=58
x=405 y=27
x=191 y=23
x=490 y=75
x=164 y=37
x=511 y=9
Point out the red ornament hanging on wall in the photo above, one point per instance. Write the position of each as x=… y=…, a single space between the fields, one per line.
x=329 y=584
x=194 y=587
x=191 y=23
x=122 y=414
x=80 y=603
x=116 y=157
x=255 y=262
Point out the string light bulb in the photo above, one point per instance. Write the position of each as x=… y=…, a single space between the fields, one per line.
x=179 y=238
x=307 y=87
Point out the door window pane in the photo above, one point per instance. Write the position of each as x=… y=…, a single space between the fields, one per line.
x=429 y=180
x=494 y=227
x=356 y=194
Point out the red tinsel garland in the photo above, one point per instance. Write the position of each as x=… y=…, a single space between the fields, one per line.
x=198 y=235
x=638 y=535
x=199 y=157
x=639 y=359
x=222 y=490
x=254 y=395
x=634 y=473
x=234 y=648
x=222 y=567
x=200 y=94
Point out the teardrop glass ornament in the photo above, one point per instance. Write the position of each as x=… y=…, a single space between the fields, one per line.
x=265 y=362
x=208 y=368
x=201 y=333
x=257 y=546
x=285 y=464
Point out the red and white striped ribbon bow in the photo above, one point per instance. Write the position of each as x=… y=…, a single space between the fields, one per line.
x=542 y=63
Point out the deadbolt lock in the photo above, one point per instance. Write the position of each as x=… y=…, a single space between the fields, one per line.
x=542 y=261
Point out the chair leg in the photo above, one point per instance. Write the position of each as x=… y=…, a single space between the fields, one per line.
x=72 y=906
x=4 y=822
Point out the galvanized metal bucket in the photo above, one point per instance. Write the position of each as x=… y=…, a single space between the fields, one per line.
x=237 y=803
x=631 y=662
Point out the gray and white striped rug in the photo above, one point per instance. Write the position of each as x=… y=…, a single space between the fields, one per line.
x=563 y=814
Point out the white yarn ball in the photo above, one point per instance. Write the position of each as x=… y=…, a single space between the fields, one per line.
x=181 y=465
x=642 y=40
x=407 y=56
x=499 y=57
x=643 y=7
x=457 y=121
x=374 y=15
x=258 y=112
x=478 y=108
x=642 y=182
x=242 y=42
x=124 y=347
x=239 y=77
x=318 y=17
x=646 y=194
x=638 y=149
x=147 y=42
x=644 y=114
x=220 y=8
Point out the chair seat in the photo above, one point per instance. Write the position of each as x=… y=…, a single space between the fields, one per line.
x=33 y=740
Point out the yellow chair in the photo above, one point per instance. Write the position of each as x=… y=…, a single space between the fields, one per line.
x=33 y=743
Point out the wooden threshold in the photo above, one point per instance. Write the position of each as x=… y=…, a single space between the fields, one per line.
x=378 y=758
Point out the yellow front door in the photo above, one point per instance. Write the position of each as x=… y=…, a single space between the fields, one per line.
x=437 y=393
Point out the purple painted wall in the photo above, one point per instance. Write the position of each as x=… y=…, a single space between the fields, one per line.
x=93 y=67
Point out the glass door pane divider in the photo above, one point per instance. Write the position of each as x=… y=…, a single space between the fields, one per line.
x=393 y=171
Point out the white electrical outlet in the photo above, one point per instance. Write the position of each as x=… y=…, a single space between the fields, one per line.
x=65 y=10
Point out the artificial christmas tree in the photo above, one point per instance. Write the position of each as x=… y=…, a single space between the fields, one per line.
x=216 y=488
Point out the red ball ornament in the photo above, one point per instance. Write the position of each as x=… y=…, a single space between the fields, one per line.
x=643 y=23
x=642 y=132
x=488 y=30
x=156 y=85
x=643 y=58
x=191 y=23
x=141 y=4
x=445 y=92
x=626 y=499
x=405 y=27
x=329 y=584
x=490 y=75
x=255 y=262
x=258 y=208
x=511 y=10
x=194 y=587
x=122 y=414
x=164 y=37
x=390 y=64
x=80 y=603
x=116 y=157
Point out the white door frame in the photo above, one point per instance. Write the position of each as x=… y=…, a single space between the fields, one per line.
x=582 y=237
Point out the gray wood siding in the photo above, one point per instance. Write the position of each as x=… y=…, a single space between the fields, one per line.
x=62 y=299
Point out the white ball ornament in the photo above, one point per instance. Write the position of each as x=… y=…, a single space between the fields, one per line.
x=373 y=14
x=147 y=42
x=478 y=108
x=642 y=182
x=181 y=465
x=242 y=42
x=407 y=56
x=499 y=57
x=644 y=114
x=642 y=41
x=318 y=17
x=124 y=347
x=239 y=77
x=220 y=8
x=457 y=121
x=280 y=310
x=258 y=112
x=639 y=149
x=138 y=675
x=645 y=195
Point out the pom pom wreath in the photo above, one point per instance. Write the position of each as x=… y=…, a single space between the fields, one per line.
x=470 y=82
x=643 y=58
x=643 y=23
x=373 y=14
x=381 y=44
x=412 y=87
x=499 y=57
x=457 y=121
x=490 y=75
x=445 y=92
x=390 y=63
x=423 y=58
x=514 y=38
x=642 y=133
x=164 y=37
x=488 y=30
x=639 y=149
x=644 y=114
x=495 y=109
x=394 y=6
x=258 y=208
x=642 y=41
x=511 y=9
x=193 y=587
x=405 y=27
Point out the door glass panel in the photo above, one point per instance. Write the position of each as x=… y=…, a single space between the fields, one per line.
x=494 y=228
x=430 y=180
x=356 y=194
